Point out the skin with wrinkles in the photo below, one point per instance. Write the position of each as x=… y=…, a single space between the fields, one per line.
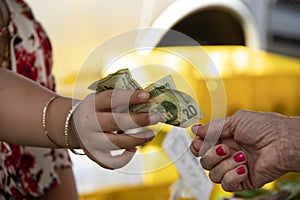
x=268 y=143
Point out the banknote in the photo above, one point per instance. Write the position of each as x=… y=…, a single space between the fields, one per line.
x=166 y=82
x=121 y=79
x=173 y=106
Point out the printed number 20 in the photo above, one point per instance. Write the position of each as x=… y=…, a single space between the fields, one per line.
x=190 y=111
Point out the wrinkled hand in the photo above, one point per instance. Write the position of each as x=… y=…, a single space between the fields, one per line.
x=250 y=149
x=96 y=124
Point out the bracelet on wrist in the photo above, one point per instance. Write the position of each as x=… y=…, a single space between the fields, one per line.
x=67 y=139
x=44 y=121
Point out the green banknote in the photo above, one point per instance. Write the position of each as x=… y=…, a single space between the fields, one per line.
x=174 y=107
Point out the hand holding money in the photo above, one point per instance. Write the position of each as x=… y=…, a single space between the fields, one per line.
x=174 y=107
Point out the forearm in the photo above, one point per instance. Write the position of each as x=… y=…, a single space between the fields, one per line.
x=21 y=107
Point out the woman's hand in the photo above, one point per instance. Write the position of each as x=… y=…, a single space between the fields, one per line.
x=96 y=124
x=251 y=148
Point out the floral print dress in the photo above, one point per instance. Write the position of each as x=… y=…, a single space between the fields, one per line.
x=28 y=171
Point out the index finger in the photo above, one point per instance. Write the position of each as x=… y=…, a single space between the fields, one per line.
x=220 y=128
x=117 y=97
x=129 y=141
x=209 y=133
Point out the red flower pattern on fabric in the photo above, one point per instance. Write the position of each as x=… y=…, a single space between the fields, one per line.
x=27 y=172
x=27 y=161
x=25 y=63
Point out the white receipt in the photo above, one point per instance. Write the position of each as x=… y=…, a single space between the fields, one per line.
x=176 y=144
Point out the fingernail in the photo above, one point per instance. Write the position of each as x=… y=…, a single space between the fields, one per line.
x=196 y=145
x=220 y=151
x=132 y=150
x=241 y=170
x=239 y=157
x=197 y=125
x=144 y=96
x=154 y=118
x=195 y=128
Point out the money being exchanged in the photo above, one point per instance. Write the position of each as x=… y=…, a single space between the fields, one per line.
x=174 y=107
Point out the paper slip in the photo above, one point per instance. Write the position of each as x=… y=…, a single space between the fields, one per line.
x=177 y=143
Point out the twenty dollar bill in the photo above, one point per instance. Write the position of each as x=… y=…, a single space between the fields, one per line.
x=174 y=107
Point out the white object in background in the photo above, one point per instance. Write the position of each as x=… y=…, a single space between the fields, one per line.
x=181 y=9
x=192 y=175
x=91 y=177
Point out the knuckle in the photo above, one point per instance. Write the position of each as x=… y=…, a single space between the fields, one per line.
x=204 y=164
x=226 y=185
x=213 y=177
x=141 y=119
x=114 y=121
x=230 y=183
x=134 y=97
x=107 y=94
x=241 y=112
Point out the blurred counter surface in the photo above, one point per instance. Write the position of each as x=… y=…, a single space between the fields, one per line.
x=251 y=79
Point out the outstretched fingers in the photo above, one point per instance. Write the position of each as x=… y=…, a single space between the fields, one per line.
x=109 y=122
x=225 y=166
x=218 y=172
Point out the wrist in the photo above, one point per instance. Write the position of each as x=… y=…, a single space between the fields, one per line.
x=60 y=120
x=289 y=143
x=68 y=122
x=73 y=134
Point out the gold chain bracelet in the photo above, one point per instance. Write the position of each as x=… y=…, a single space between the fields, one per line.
x=44 y=121
x=67 y=139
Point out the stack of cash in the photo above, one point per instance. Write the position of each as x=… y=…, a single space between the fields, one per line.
x=174 y=107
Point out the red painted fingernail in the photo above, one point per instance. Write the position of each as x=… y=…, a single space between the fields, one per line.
x=195 y=128
x=220 y=151
x=239 y=157
x=241 y=170
x=196 y=145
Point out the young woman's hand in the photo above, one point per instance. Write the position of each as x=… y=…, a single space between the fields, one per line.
x=97 y=125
